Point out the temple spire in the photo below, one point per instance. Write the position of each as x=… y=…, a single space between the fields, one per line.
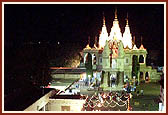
x=141 y=47
x=115 y=13
x=96 y=40
x=141 y=40
x=115 y=30
x=103 y=20
x=103 y=34
x=89 y=40
x=134 y=40
x=134 y=47
x=127 y=37
x=127 y=19
x=88 y=45
x=95 y=44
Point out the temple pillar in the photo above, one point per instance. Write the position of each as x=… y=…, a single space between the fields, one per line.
x=105 y=80
x=84 y=58
x=121 y=79
x=144 y=59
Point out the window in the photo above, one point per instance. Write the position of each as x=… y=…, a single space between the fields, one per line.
x=100 y=59
x=65 y=108
x=114 y=63
x=126 y=60
x=141 y=59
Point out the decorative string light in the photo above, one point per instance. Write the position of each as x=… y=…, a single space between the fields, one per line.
x=108 y=101
x=128 y=109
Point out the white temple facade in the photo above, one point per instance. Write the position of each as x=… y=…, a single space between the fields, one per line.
x=115 y=55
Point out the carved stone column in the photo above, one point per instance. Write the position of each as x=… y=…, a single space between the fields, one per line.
x=105 y=80
x=121 y=79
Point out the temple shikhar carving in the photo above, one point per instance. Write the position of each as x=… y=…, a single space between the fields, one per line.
x=114 y=57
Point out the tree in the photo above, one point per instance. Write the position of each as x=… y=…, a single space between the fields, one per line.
x=135 y=66
x=73 y=61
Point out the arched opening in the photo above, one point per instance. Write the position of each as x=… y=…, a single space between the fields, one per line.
x=102 y=77
x=141 y=59
x=86 y=58
x=94 y=59
x=126 y=78
x=134 y=58
x=111 y=59
x=146 y=76
x=113 y=79
x=141 y=76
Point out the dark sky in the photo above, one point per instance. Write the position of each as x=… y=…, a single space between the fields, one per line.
x=74 y=23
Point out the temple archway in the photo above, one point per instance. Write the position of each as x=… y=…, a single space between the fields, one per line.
x=147 y=76
x=94 y=59
x=141 y=59
x=134 y=57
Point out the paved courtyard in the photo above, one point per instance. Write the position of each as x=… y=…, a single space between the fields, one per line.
x=148 y=101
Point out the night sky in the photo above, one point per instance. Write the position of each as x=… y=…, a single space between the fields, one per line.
x=69 y=23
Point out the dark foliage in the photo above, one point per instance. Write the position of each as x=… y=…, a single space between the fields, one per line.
x=88 y=65
x=135 y=66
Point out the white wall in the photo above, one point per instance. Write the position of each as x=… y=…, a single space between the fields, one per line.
x=56 y=104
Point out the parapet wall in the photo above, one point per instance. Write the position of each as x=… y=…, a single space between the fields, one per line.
x=65 y=104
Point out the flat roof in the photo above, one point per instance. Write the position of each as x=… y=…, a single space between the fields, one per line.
x=66 y=97
x=67 y=70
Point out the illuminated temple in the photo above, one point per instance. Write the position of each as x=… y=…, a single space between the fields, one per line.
x=115 y=54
